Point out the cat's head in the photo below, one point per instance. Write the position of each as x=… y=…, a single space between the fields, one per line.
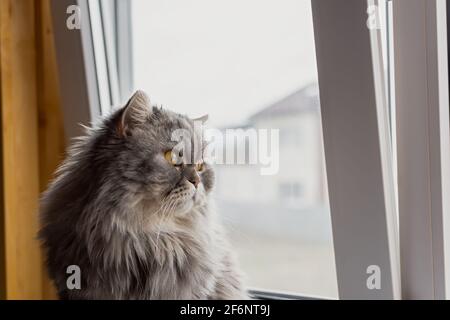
x=161 y=160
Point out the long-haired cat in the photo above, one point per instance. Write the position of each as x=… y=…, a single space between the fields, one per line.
x=135 y=215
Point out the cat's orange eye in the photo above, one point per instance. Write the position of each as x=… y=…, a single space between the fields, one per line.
x=199 y=166
x=170 y=157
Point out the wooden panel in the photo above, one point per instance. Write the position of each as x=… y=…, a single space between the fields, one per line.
x=51 y=131
x=2 y=211
x=23 y=263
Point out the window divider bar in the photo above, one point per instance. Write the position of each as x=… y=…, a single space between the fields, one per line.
x=364 y=238
x=76 y=67
x=124 y=42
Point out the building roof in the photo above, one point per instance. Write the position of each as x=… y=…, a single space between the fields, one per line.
x=303 y=100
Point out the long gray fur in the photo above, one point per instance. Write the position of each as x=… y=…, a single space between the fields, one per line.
x=132 y=222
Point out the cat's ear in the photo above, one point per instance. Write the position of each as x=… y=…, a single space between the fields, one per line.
x=202 y=119
x=135 y=113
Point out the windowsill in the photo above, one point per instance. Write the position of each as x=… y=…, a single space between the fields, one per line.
x=259 y=294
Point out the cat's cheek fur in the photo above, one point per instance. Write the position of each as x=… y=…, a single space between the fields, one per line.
x=184 y=208
x=208 y=178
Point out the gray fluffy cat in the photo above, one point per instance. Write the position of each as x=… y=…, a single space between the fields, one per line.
x=135 y=215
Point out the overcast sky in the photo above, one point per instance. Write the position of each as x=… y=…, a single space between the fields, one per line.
x=227 y=58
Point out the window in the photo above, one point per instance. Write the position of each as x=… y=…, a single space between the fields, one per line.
x=261 y=74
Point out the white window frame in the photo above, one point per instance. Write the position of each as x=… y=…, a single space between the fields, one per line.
x=94 y=62
x=76 y=67
x=422 y=116
x=357 y=149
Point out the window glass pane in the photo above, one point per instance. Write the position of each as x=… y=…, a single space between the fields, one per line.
x=385 y=26
x=386 y=30
x=250 y=65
